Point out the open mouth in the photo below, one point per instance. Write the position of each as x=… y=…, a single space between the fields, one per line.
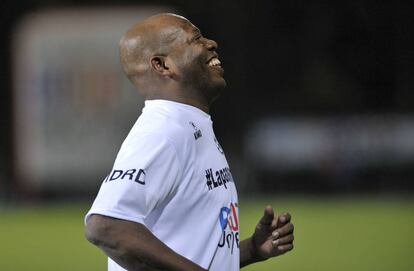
x=214 y=62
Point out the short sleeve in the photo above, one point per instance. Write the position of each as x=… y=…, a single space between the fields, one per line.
x=146 y=173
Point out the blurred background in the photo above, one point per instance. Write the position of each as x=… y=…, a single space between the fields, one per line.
x=317 y=119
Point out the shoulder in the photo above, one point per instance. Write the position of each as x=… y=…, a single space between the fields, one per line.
x=156 y=126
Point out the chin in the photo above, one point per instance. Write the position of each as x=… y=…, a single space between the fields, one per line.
x=221 y=83
x=216 y=90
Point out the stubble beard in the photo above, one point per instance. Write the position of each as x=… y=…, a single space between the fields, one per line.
x=206 y=85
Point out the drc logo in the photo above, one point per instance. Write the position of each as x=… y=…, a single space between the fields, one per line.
x=229 y=223
x=137 y=175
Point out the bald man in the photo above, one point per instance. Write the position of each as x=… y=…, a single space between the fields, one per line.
x=170 y=202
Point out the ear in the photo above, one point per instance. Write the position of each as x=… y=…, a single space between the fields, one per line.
x=160 y=65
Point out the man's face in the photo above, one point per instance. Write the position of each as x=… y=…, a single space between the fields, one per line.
x=197 y=61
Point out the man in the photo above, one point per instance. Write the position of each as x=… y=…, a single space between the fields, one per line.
x=170 y=202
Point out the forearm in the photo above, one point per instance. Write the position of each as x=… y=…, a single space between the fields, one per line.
x=247 y=253
x=145 y=250
x=134 y=247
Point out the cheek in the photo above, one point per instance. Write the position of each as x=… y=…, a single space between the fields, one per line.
x=193 y=58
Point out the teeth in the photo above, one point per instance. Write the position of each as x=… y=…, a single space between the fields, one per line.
x=214 y=62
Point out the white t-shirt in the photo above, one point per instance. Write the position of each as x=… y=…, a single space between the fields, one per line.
x=172 y=176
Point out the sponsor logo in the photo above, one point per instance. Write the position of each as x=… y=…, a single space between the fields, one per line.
x=218 y=178
x=229 y=224
x=136 y=175
x=197 y=132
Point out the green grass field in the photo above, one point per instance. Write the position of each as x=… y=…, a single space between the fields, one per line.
x=331 y=234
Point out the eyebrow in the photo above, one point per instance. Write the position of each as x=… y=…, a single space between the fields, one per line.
x=196 y=31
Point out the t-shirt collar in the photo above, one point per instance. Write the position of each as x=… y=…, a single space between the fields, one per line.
x=182 y=106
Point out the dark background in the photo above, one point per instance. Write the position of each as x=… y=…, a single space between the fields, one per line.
x=281 y=58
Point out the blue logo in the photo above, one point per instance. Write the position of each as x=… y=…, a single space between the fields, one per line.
x=224 y=214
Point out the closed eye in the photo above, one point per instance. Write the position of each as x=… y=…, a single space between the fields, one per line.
x=197 y=37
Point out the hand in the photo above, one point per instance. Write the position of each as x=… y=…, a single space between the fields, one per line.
x=273 y=235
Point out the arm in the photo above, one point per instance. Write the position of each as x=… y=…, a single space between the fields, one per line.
x=133 y=246
x=272 y=237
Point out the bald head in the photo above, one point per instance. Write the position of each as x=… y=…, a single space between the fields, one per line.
x=151 y=37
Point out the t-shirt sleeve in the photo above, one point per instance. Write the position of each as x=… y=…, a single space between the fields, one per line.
x=146 y=173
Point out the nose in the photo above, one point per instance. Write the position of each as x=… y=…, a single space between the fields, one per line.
x=211 y=45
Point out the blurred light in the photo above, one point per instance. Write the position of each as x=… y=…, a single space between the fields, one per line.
x=73 y=106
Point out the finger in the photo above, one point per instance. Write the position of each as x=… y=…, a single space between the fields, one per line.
x=267 y=216
x=282 y=231
x=275 y=223
x=284 y=218
x=284 y=248
x=284 y=240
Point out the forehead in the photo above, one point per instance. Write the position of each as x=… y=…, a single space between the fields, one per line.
x=180 y=20
x=175 y=29
x=186 y=25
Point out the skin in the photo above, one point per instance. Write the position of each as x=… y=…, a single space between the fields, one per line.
x=166 y=57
